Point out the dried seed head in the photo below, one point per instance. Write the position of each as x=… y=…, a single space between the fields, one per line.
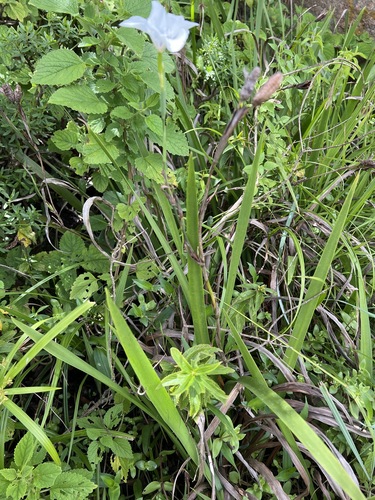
x=7 y=90
x=250 y=81
x=17 y=93
x=269 y=88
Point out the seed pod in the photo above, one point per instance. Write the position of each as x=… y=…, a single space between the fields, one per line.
x=269 y=88
x=17 y=94
x=250 y=81
x=7 y=90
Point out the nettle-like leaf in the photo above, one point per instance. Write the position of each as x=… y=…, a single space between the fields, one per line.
x=16 y=11
x=65 y=139
x=122 y=112
x=118 y=446
x=17 y=489
x=71 y=244
x=100 y=182
x=80 y=98
x=84 y=287
x=95 y=453
x=176 y=142
x=44 y=475
x=152 y=167
x=151 y=79
x=61 y=6
x=93 y=260
x=8 y=474
x=24 y=450
x=131 y=39
x=58 y=67
x=72 y=485
x=95 y=154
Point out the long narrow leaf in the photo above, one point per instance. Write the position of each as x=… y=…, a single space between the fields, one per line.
x=312 y=297
x=306 y=436
x=195 y=278
x=343 y=428
x=60 y=352
x=242 y=226
x=60 y=327
x=151 y=382
x=34 y=428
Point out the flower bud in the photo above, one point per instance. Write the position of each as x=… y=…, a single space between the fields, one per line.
x=269 y=88
x=250 y=81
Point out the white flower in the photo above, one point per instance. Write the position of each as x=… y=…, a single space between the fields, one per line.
x=165 y=30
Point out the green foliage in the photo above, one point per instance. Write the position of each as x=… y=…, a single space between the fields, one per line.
x=190 y=384
x=234 y=241
x=30 y=476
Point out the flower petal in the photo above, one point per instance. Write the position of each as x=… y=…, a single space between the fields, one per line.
x=176 y=42
x=165 y=30
x=136 y=22
x=158 y=15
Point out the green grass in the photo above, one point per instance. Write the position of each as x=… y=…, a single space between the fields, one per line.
x=157 y=228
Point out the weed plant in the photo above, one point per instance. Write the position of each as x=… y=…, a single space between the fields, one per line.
x=187 y=255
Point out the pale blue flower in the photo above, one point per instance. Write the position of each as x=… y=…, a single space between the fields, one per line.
x=165 y=30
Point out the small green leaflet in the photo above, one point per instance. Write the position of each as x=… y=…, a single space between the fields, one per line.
x=98 y=151
x=152 y=167
x=58 y=67
x=84 y=286
x=176 y=143
x=15 y=11
x=80 y=98
x=65 y=139
x=131 y=38
x=61 y=6
x=71 y=485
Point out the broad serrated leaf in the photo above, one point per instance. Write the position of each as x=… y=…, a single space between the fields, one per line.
x=94 y=453
x=88 y=41
x=59 y=67
x=113 y=416
x=151 y=79
x=100 y=182
x=71 y=486
x=84 y=286
x=80 y=98
x=78 y=165
x=94 y=434
x=132 y=39
x=93 y=260
x=176 y=142
x=155 y=124
x=45 y=475
x=104 y=86
x=122 y=112
x=152 y=168
x=17 y=489
x=118 y=446
x=8 y=474
x=137 y=8
x=16 y=11
x=98 y=151
x=65 y=139
x=72 y=244
x=61 y=6
x=24 y=450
